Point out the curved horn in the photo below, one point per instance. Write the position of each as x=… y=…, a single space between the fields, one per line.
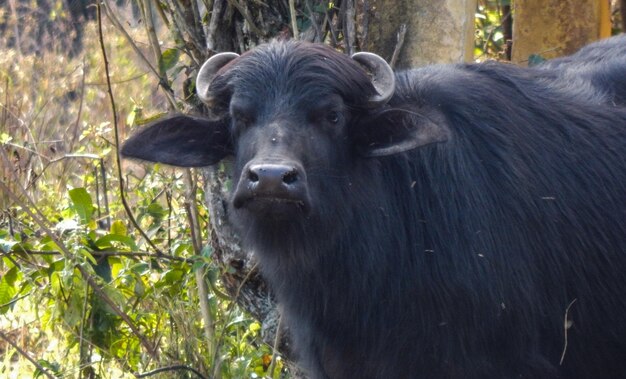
x=383 y=78
x=207 y=73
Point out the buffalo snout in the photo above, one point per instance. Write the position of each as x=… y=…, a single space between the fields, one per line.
x=271 y=188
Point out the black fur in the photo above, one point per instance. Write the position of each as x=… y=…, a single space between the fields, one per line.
x=458 y=259
x=601 y=65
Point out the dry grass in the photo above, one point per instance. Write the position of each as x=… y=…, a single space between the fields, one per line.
x=55 y=125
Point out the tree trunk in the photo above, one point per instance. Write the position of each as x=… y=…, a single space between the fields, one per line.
x=437 y=31
x=552 y=28
x=622 y=10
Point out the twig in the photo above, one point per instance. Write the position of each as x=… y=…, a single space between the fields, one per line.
x=5 y=107
x=81 y=340
x=35 y=152
x=39 y=219
x=117 y=137
x=319 y=34
x=75 y=129
x=246 y=15
x=80 y=111
x=159 y=9
x=25 y=355
x=199 y=30
x=138 y=76
x=152 y=37
x=185 y=25
x=100 y=292
x=231 y=308
x=170 y=368
x=507 y=30
x=118 y=26
x=294 y=21
x=493 y=30
x=365 y=24
x=218 y=5
x=349 y=29
x=196 y=237
x=272 y=366
x=328 y=20
x=15 y=300
x=398 y=48
x=105 y=193
x=566 y=327
x=106 y=254
x=15 y=14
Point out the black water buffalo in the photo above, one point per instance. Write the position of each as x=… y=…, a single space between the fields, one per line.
x=455 y=221
x=601 y=66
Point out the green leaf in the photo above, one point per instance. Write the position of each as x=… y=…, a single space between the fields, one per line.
x=140 y=268
x=56 y=266
x=56 y=282
x=156 y=211
x=11 y=276
x=72 y=314
x=140 y=288
x=5 y=138
x=106 y=241
x=82 y=204
x=119 y=228
x=7 y=289
x=207 y=251
x=85 y=253
x=51 y=366
x=240 y=319
x=168 y=59
x=173 y=276
x=133 y=115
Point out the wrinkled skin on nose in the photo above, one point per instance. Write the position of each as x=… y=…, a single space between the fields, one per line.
x=273 y=188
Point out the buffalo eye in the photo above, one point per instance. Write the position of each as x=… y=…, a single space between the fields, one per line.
x=242 y=119
x=242 y=115
x=333 y=117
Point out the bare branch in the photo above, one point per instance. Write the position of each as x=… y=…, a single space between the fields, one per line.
x=277 y=338
x=349 y=29
x=117 y=138
x=246 y=15
x=152 y=37
x=106 y=254
x=184 y=24
x=26 y=355
x=218 y=6
x=196 y=237
x=399 y=44
x=365 y=23
x=111 y=16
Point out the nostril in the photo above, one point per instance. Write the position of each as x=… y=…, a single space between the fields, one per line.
x=252 y=176
x=290 y=177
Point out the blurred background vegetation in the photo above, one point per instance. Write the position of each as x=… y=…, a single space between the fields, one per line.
x=86 y=290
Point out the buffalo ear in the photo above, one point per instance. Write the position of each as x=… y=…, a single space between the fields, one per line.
x=397 y=130
x=183 y=141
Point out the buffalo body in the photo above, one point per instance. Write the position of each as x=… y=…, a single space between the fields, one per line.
x=471 y=226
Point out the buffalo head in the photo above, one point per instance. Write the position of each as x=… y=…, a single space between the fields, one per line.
x=296 y=116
